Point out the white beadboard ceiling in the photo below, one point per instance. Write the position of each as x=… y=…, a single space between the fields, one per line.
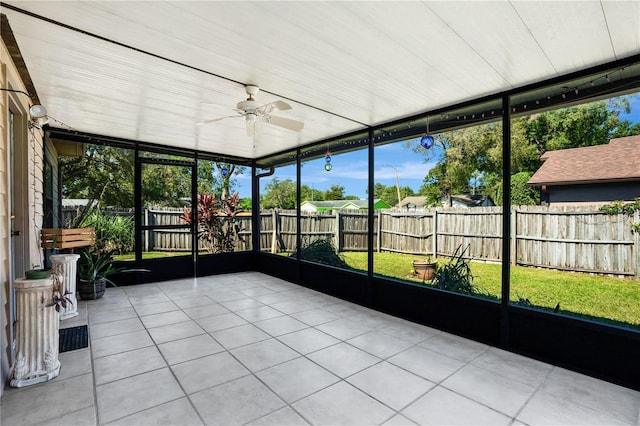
x=149 y=70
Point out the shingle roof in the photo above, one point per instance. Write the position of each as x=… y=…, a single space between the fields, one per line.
x=337 y=204
x=418 y=201
x=619 y=160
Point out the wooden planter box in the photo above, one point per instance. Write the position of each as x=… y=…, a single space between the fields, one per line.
x=59 y=238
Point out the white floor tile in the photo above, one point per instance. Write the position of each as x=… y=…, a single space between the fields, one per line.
x=379 y=344
x=206 y=372
x=127 y=396
x=514 y=366
x=343 y=360
x=46 y=401
x=425 y=363
x=500 y=393
x=444 y=407
x=609 y=399
x=182 y=350
x=122 y=365
x=178 y=412
x=391 y=385
x=120 y=343
x=342 y=404
x=548 y=409
x=236 y=403
x=265 y=354
x=282 y=417
x=296 y=379
x=181 y=330
x=243 y=335
x=308 y=340
x=280 y=325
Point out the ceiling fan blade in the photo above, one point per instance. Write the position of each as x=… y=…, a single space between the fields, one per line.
x=279 y=105
x=283 y=122
x=213 y=120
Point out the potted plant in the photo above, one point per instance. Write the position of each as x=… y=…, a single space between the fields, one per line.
x=424 y=269
x=94 y=271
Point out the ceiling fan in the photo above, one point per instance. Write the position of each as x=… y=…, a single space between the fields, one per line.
x=253 y=113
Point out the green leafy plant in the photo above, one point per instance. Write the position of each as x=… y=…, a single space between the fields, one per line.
x=96 y=266
x=456 y=275
x=216 y=221
x=618 y=206
x=322 y=251
x=114 y=233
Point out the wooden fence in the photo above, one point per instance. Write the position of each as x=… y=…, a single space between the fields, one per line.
x=574 y=239
x=564 y=238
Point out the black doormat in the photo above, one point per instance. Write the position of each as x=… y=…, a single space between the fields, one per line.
x=73 y=338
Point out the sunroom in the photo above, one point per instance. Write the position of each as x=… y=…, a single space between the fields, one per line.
x=147 y=108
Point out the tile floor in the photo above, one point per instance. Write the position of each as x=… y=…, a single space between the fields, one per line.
x=248 y=348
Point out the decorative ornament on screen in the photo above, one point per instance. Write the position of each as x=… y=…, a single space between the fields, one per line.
x=327 y=159
x=426 y=141
x=224 y=171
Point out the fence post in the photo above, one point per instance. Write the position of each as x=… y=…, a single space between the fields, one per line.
x=337 y=231
x=274 y=232
x=514 y=235
x=146 y=232
x=434 y=233
x=636 y=243
x=379 y=235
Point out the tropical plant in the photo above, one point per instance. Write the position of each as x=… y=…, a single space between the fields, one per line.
x=322 y=251
x=94 y=270
x=216 y=221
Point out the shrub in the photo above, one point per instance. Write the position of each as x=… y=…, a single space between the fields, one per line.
x=322 y=251
x=114 y=233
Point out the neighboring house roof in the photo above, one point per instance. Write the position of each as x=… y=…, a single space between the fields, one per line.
x=619 y=160
x=342 y=204
x=413 y=201
x=75 y=202
x=469 y=200
x=464 y=200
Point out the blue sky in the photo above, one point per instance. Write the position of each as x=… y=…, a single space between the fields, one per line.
x=350 y=170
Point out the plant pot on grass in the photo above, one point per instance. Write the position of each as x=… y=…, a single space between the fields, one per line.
x=94 y=271
x=424 y=269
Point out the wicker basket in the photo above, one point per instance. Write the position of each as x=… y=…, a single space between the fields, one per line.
x=87 y=291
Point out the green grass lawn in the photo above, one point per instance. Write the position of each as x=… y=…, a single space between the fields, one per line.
x=597 y=297
x=149 y=255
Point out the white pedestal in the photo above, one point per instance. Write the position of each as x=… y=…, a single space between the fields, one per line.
x=37 y=334
x=69 y=266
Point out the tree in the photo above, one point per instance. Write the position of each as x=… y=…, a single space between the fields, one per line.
x=464 y=153
x=104 y=172
x=521 y=193
x=310 y=194
x=389 y=194
x=335 y=192
x=246 y=204
x=279 y=195
x=589 y=124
